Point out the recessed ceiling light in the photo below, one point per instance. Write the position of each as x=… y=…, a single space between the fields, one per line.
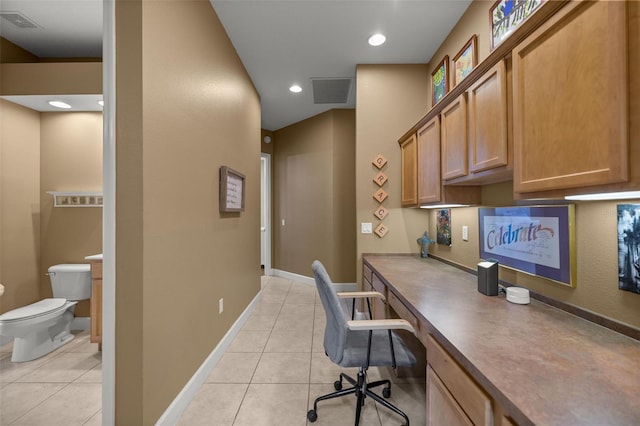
x=377 y=39
x=59 y=104
x=295 y=88
x=101 y=103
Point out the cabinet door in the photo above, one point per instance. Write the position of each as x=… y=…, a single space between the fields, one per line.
x=454 y=139
x=409 y=172
x=429 y=183
x=570 y=100
x=488 y=140
x=442 y=408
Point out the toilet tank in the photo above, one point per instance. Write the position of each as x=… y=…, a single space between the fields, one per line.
x=71 y=281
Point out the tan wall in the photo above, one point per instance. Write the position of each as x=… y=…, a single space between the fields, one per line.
x=266 y=148
x=391 y=99
x=185 y=107
x=65 y=78
x=344 y=196
x=313 y=194
x=10 y=53
x=19 y=205
x=70 y=160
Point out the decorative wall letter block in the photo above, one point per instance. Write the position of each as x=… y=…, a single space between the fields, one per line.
x=379 y=161
x=381 y=212
x=380 y=195
x=380 y=179
x=381 y=230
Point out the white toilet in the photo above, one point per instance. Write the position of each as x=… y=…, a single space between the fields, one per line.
x=44 y=326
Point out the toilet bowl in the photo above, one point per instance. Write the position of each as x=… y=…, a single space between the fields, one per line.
x=44 y=326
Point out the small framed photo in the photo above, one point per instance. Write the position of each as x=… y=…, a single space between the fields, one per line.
x=466 y=60
x=231 y=190
x=440 y=81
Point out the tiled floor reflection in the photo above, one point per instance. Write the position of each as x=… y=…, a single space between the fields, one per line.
x=276 y=367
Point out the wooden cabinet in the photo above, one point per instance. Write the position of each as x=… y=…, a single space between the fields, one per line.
x=461 y=400
x=409 y=172
x=488 y=117
x=428 y=142
x=442 y=408
x=454 y=139
x=96 y=302
x=570 y=100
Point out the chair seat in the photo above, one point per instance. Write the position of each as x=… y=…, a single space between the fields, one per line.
x=356 y=350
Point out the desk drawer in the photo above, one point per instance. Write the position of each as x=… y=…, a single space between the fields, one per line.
x=366 y=272
x=402 y=310
x=378 y=285
x=475 y=403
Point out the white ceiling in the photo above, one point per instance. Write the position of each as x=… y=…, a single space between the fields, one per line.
x=280 y=42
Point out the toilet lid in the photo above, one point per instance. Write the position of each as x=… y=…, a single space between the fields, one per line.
x=35 y=309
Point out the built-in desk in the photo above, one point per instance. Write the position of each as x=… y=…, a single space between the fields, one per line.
x=536 y=364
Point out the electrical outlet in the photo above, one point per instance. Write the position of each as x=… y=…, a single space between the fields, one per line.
x=465 y=233
x=220 y=306
x=366 y=228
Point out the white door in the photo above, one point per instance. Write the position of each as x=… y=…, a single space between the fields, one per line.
x=265 y=208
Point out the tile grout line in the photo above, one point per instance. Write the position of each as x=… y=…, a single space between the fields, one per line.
x=235 y=417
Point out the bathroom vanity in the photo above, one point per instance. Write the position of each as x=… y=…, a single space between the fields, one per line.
x=96 y=298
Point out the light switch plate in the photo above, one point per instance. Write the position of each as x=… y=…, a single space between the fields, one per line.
x=366 y=228
x=465 y=233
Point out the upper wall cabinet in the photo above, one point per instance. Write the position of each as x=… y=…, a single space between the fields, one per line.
x=488 y=118
x=570 y=100
x=454 y=139
x=475 y=137
x=431 y=187
x=429 y=183
x=409 y=165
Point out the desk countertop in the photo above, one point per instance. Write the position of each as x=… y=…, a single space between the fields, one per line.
x=543 y=365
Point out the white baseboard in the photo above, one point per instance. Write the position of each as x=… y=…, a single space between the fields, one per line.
x=173 y=413
x=293 y=277
x=310 y=281
x=81 y=323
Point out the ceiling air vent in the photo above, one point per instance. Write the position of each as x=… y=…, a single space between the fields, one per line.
x=18 y=19
x=331 y=90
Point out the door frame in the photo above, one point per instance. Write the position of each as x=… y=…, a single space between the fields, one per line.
x=265 y=209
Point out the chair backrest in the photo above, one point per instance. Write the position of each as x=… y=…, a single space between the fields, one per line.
x=335 y=333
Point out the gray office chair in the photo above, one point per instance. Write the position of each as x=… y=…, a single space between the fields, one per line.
x=359 y=343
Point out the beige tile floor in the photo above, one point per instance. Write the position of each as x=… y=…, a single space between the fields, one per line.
x=270 y=375
x=61 y=388
x=276 y=366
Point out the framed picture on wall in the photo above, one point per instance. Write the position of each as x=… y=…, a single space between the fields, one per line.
x=465 y=61
x=231 y=190
x=537 y=240
x=506 y=15
x=629 y=247
x=440 y=81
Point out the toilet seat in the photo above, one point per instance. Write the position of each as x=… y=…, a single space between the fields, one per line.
x=35 y=310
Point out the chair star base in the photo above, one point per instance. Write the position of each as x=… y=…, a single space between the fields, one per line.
x=362 y=389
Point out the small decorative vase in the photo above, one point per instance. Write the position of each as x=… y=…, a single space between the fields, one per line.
x=424 y=242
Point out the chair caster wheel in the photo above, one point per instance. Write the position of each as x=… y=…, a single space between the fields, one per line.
x=337 y=385
x=386 y=392
x=312 y=415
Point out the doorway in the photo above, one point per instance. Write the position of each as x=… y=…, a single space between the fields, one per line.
x=265 y=212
